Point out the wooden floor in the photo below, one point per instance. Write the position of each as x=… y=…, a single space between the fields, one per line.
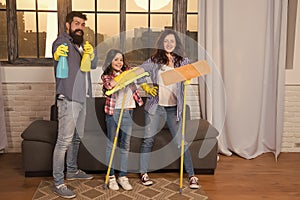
x=235 y=178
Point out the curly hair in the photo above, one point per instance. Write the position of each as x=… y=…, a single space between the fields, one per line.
x=159 y=56
x=70 y=16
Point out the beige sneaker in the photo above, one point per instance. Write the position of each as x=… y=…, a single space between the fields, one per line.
x=123 y=181
x=112 y=183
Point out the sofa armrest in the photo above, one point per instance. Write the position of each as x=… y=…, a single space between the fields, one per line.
x=41 y=130
x=53 y=113
x=199 y=129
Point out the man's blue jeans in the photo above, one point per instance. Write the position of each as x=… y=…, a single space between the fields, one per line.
x=71 y=120
x=123 y=138
x=153 y=124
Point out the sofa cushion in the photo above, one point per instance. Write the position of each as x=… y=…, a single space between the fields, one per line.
x=41 y=130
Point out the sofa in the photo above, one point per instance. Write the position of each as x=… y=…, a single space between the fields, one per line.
x=40 y=136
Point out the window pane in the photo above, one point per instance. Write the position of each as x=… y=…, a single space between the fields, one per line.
x=192 y=6
x=160 y=21
x=108 y=24
x=136 y=21
x=136 y=27
x=3 y=33
x=131 y=6
x=86 y=5
x=192 y=22
x=155 y=5
x=26 y=35
x=113 y=5
x=47 y=5
x=192 y=33
x=89 y=30
x=191 y=45
x=26 y=5
x=48 y=29
x=161 y=5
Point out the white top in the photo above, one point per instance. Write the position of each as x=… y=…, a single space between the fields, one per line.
x=129 y=103
x=167 y=94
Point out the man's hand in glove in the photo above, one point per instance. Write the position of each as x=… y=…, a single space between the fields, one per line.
x=61 y=50
x=88 y=49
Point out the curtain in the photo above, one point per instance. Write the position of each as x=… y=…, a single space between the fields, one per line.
x=243 y=95
x=3 y=137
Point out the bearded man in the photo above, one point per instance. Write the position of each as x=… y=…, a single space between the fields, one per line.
x=71 y=96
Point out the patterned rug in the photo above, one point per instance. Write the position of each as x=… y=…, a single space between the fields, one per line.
x=93 y=189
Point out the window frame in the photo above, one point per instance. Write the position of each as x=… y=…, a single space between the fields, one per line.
x=179 y=23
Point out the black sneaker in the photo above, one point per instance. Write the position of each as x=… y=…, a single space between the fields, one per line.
x=146 y=180
x=194 y=182
x=63 y=191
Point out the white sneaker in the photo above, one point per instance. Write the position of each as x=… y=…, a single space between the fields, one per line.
x=112 y=183
x=123 y=181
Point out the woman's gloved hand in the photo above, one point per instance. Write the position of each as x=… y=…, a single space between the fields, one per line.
x=149 y=90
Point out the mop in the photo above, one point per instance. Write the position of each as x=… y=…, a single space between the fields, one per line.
x=184 y=73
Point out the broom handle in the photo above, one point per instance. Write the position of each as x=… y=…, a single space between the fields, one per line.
x=115 y=140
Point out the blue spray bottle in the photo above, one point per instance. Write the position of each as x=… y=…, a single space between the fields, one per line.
x=62 y=68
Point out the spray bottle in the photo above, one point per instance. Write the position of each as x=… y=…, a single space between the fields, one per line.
x=85 y=62
x=62 y=69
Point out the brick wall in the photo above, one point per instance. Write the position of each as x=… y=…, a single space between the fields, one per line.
x=291 y=126
x=24 y=103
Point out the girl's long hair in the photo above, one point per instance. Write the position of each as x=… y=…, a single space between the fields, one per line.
x=159 y=56
x=107 y=68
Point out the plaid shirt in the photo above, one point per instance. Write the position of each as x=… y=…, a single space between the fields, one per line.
x=110 y=101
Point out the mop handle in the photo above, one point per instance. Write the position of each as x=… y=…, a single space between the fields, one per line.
x=182 y=136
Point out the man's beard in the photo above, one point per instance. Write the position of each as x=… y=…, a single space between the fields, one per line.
x=77 y=39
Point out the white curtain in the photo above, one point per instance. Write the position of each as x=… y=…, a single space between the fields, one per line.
x=243 y=96
x=3 y=137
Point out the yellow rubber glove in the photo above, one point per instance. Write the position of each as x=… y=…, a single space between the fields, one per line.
x=149 y=90
x=88 y=49
x=61 y=50
x=187 y=82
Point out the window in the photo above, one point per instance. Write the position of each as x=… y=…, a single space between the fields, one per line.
x=34 y=24
x=37 y=27
x=144 y=22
